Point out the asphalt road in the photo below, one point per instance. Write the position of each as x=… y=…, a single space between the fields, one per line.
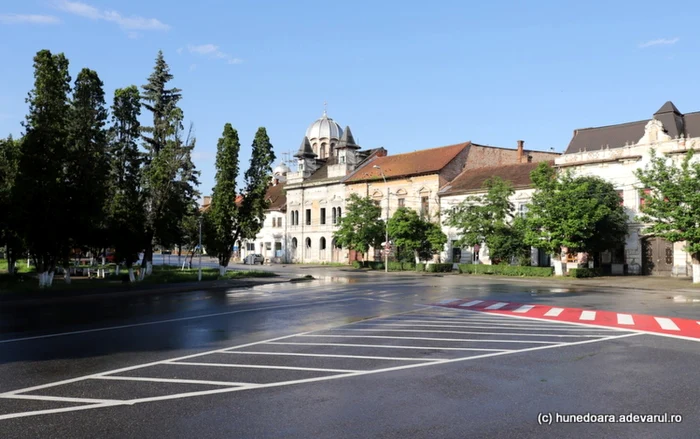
x=351 y=355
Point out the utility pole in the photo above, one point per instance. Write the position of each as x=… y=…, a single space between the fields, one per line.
x=386 y=223
x=199 y=275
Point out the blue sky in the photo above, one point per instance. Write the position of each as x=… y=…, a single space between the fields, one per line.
x=404 y=76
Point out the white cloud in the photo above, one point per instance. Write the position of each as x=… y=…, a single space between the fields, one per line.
x=660 y=42
x=28 y=19
x=211 y=51
x=127 y=23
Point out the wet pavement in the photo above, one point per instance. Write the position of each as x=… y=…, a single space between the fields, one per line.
x=341 y=356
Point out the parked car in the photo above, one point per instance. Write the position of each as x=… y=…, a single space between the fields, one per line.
x=254 y=259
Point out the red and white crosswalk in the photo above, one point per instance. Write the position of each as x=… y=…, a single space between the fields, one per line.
x=684 y=328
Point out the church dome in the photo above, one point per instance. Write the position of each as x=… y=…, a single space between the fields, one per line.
x=281 y=169
x=324 y=128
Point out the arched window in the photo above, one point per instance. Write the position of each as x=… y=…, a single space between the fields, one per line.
x=294 y=243
x=336 y=245
x=334 y=216
x=339 y=215
x=308 y=242
x=322 y=152
x=322 y=243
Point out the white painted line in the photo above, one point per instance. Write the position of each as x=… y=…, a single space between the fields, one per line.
x=554 y=312
x=157 y=322
x=440 y=331
x=524 y=308
x=363 y=357
x=61 y=410
x=389 y=369
x=667 y=324
x=64 y=399
x=587 y=315
x=258 y=366
x=170 y=380
x=625 y=319
x=509 y=326
x=447 y=301
x=498 y=305
x=458 y=340
x=392 y=347
x=472 y=303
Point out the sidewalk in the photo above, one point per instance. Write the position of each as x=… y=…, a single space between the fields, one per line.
x=49 y=297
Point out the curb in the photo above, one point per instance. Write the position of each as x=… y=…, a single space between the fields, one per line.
x=156 y=290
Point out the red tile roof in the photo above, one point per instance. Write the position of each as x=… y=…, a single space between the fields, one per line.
x=473 y=179
x=427 y=161
x=276 y=195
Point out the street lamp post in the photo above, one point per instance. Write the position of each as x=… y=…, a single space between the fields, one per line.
x=199 y=275
x=386 y=223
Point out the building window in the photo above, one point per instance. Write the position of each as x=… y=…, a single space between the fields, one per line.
x=250 y=246
x=268 y=246
x=402 y=202
x=424 y=206
x=301 y=166
x=522 y=210
x=642 y=193
x=323 y=215
x=376 y=202
x=294 y=243
x=308 y=217
x=621 y=194
x=308 y=242
x=339 y=216
x=322 y=243
x=333 y=216
x=342 y=159
x=475 y=253
x=322 y=153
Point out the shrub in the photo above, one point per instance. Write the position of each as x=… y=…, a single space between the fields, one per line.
x=395 y=266
x=506 y=270
x=356 y=264
x=408 y=266
x=584 y=272
x=439 y=268
x=420 y=267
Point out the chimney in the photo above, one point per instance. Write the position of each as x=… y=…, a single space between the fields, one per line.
x=207 y=200
x=520 y=150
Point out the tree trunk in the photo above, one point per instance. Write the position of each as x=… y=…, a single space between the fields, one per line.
x=116 y=270
x=10 y=262
x=66 y=274
x=696 y=268
x=558 y=265
x=222 y=270
x=415 y=255
x=50 y=281
x=132 y=278
x=147 y=263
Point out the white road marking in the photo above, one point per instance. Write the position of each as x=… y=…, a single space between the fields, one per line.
x=667 y=324
x=447 y=301
x=498 y=305
x=509 y=326
x=170 y=380
x=472 y=303
x=61 y=410
x=258 y=366
x=524 y=308
x=587 y=315
x=429 y=338
x=203 y=316
x=440 y=331
x=625 y=319
x=392 y=347
x=310 y=380
x=554 y=312
x=294 y=354
x=64 y=399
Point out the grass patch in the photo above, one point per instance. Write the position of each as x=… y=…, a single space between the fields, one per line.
x=21 y=267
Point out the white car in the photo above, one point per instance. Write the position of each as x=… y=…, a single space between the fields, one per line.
x=254 y=259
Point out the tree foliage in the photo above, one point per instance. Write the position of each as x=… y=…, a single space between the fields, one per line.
x=408 y=231
x=582 y=214
x=221 y=220
x=40 y=194
x=361 y=227
x=489 y=219
x=257 y=180
x=672 y=207
x=10 y=150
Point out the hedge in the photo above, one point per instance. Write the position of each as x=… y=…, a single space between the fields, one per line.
x=408 y=266
x=420 y=267
x=506 y=270
x=439 y=268
x=585 y=272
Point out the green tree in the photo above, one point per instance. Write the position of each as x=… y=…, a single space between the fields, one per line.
x=488 y=219
x=361 y=227
x=581 y=214
x=257 y=180
x=409 y=232
x=169 y=175
x=40 y=195
x=221 y=220
x=88 y=165
x=125 y=207
x=10 y=150
x=672 y=206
